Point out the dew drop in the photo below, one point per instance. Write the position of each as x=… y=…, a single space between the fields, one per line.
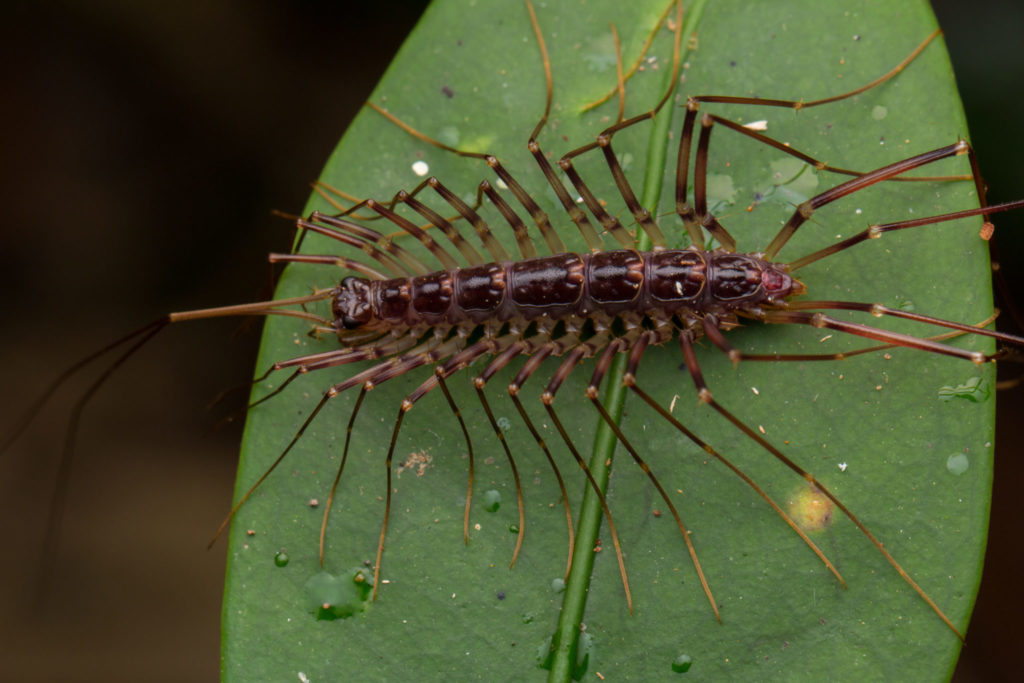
x=681 y=664
x=558 y=585
x=957 y=463
x=492 y=500
x=281 y=559
x=879 y=112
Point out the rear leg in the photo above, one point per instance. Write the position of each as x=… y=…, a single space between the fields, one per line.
x=705 y=396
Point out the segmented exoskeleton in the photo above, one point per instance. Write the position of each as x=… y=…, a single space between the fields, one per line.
x=596 y=305
x=403 y=314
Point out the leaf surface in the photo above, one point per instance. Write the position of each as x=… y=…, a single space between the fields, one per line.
x=872 y=428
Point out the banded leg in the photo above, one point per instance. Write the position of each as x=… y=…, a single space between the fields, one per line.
x=876 y=231
x=629 y=380
x=705 y=396
x=603 y=363
x=497 y=363
x=531 y=365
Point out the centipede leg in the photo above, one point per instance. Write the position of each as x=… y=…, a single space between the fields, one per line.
x=367 y=386
x=712 y=332
x=806 y=209
x=705 y=396
x=601 y=368
x=629 y=380
x=500 y=361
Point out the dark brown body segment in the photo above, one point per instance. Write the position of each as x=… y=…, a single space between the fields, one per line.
x=668 y=281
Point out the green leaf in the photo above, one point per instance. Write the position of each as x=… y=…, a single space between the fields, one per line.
x=870 y=428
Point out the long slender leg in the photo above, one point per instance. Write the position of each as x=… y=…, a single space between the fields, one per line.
x=817 y=164
x=386 y=260
x=500 y=361
x=401 y=197
x=538 y=215
x=472 y=256
x=604 y=141
x=444 y=258
x=629 y=379
x=493 y=247
x=469 y=448
x=409 y=261
x=876 y=231
x=806 y=209
x=526 y=248
x=711 y=331
x=820 y=320
x=594 y=485
x=705 y=396
x=341 y=467
x=643 y=53
x=603 y=363
x=329 y=260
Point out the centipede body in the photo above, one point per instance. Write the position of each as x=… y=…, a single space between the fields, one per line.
x=370 y=449
x=758 y=377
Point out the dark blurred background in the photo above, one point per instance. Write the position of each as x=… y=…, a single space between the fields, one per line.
x=144 y=146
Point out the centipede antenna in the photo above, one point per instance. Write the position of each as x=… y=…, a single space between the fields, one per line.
x=55 y=516
x=33 y=410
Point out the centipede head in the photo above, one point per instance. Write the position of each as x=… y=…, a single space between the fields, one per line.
x=354 y=320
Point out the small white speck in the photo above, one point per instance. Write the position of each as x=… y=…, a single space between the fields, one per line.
x=859 y=211
x=303 y=678
x=756 y=392
x=842 y=466
x=501 y=184
x=756 y=125
x=672 y=405
x=420 y=168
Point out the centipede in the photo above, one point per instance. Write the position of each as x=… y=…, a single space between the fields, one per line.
x=636 y=366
